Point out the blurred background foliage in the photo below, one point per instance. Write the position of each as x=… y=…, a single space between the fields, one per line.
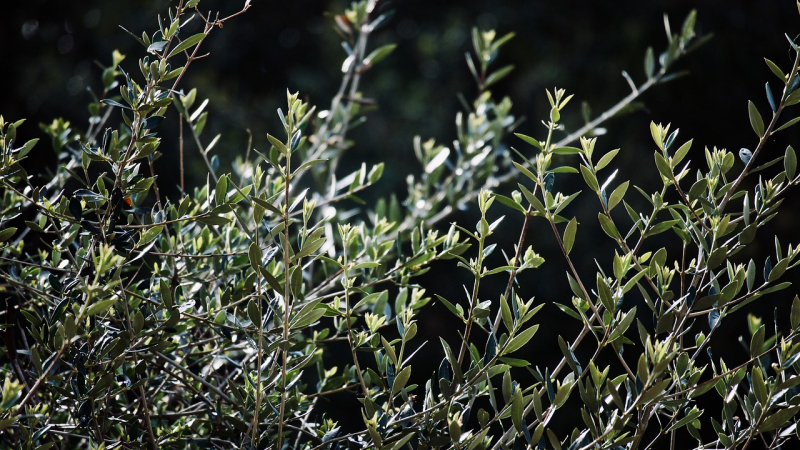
x=50 y=47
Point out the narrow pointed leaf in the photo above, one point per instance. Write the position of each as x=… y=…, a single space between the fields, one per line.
x=755 y=119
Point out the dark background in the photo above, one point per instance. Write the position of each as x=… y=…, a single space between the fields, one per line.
x=49 y=49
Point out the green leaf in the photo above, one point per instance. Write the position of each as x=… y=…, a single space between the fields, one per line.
x=564 y=203
x=681 y=153
x=254 y=254
x=604 y=292
x=166 y=294
x=514 y=362
x=663 y=166
x=661 y=227
x=517 y=410
x=790 y=162
x=788 y=384
x=795 y=315
x=569 y=234
x=698 y=188
x=100 y=307
x=590 y=178
x=137 y=322
x=296 y=280
x=267 y=205
x=767 y=164
x=497 y=75
x=793 y=98
x=569 y=311
x=529 y=140
x=188 y=42
x=608 y=226
x=555 y=114
x=458 y=375
x=778 y=270
x=273 y=282
x=776 y=288
x=778 y=419
x=280 y=146
x=748 y=234
x=457 y=311
x=172 y=74
x=525 y=171
x=759 y=386
x=213 y=220
x=400 y=380
x=617 y=195
x=717 y=257
x=308 y=316
x=221 y=191
x=389 y=350
x=114 y=103
x=403 y=441
x=506 y=387
x=379 y=54
x=656 y=134
x=309 y=163
x=757 y=342
x=755 y=119
x=510 y=203
x=364 y=265
x=147 y=235
x=7 y=233
x=776 y=70
x=310 y=247
x=497 y=270
x=649 y=63
x=567 y=151
x=562 y=395
x=623 y=326
x=520 y=340
x=508 y=318
x=569 y=356
x=654 y=391
x=786 y=125
x=537 y=205
x=606 y=160
x=687 y=31
x=690 y=417
x=252 y=313
x=25 y=149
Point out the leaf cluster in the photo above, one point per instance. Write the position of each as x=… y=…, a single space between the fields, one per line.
x=222 y=318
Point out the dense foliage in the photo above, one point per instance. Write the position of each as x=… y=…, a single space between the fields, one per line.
x=217 y=319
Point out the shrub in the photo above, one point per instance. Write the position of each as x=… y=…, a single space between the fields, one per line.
x=216 y=319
